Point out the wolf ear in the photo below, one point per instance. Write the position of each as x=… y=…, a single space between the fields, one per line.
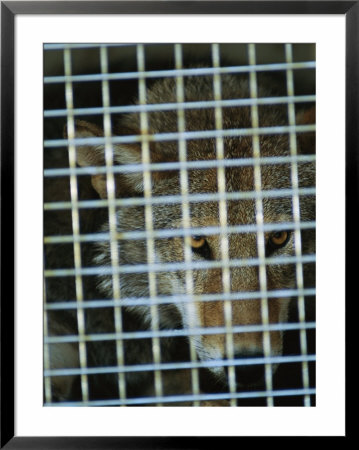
x=94 y=155
x=306 y=141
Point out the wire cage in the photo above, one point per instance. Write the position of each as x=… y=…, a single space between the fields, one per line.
x=179 y=224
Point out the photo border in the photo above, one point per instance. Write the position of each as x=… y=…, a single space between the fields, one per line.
x=9 y=10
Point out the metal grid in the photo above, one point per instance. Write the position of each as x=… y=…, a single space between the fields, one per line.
x=122 y=328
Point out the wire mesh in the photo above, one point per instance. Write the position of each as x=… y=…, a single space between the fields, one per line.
x=179 y=224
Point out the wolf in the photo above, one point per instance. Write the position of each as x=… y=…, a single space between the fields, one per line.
x=193 y=291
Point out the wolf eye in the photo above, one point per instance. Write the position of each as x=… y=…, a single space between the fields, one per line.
x=200 y=247
x=279 y=239
x=197 y=242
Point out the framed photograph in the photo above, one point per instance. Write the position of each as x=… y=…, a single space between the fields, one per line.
x=176 y=180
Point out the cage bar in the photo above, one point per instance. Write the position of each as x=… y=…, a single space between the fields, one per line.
x=75 y=222
x=147 y=184
x=186 y=216
x=111 y=196
x=296 y=217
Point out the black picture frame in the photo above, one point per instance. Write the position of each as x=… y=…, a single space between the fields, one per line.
x=9 y=11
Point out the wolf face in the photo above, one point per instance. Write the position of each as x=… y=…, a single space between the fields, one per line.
x=204 y=260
